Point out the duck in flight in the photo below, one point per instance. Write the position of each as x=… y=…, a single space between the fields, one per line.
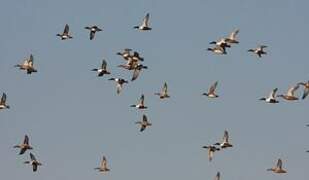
x=24 y=146
x=27 y=65
x=119 y=83
x=35 y=163
x=103 y=165
x=140 y=104
x=232 y=38
x=163 y=94
x=259 y=50
x=306 y=88
x=271 y=98
x=217 y=49
x=145 y=24
x=225 y=141
x=137 y=70
x=144 y=123
x=93 y=30
x=103 y=69
x=211 y=92
x=125 y=54
x=3 y=104
x=65 y=35
x=278 y=168
x=289 y=96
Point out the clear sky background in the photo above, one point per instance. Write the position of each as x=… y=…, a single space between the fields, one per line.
x=73 y=117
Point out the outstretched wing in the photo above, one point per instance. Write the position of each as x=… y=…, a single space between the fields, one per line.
x=279 y=163
x=306 y=92
x=119 y=88
x=165 y=88
x=217 y=176
x=145 y=118
x=292 y=90
x=66 y=29
x=104 y=162
x=226 y=136
x=146 y=20
x=273 y=93
x=213 y=88
x=26 y=140
x=104 y=64
x=142 y=99
x=92 y=33
x=32 y=157
x=3 y=98
x=234 y=34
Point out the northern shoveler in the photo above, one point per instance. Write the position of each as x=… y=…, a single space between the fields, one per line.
x=103 y=166
x=144 y=123
x=103 y=69
x=225 y=141
x=27 y=65
x=93 y=30
x=259 y=50
x=290 y=94
x=272 y=97
x=65 y=35
x=140 y=104
x=163 y=94
x=211 y=92
x=24 y=146
x=145 y=24
x=35 y=163
x=119 y=83
x=3 y=104
x=278 y=168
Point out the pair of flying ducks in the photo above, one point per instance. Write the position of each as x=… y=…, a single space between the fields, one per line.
x=24 y=146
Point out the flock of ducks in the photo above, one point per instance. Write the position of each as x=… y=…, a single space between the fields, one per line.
x=133 y=63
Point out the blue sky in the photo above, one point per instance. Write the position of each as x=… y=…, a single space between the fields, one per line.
x=73 y=117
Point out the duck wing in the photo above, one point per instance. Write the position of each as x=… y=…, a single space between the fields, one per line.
x=279 y=164
x=26 y=140
x=146 y=20
x=292 y=90
x=3 y=99
x=273 y=93
x=66 y=29
x=213 y=88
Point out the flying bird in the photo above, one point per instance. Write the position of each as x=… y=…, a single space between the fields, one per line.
x=3 y=104
x=145 y=24
x=289 y=96
x=35 y=163
x=278 y=168
x=93 y=30
x=137 y=70
x=125 y=54
x=163 y=94
x=103 y=69
x=232 y=38
x=271 y=98
x=211 y=92
x=217 y=49
x=144 y=123
x=65 y=35
x=259 y=50
x=24 y=146
x=119 y=83
x=140 y=104
x=27 y=65
x=103 y=166
x=225 y=141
